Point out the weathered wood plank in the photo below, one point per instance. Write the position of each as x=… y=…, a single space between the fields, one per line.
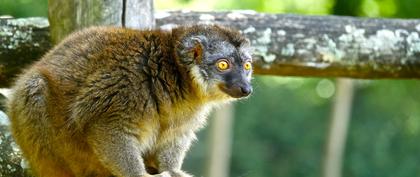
x=290 y=45
x=67 y=16
x=329 y=46
x=11 y=163
x=21 y=42
x=138 y=14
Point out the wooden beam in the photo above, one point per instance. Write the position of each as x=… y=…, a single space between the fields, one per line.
x=220 y=143
x=21 y=42
x=68 y=16
x=138 y=14
x=338 y=128
x=325 y=46
x=288 y=45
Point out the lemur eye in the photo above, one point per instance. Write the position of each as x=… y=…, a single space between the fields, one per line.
x=247 y=65
x=222 y=64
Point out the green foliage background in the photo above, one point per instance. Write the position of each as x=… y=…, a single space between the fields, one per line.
x=281 y=130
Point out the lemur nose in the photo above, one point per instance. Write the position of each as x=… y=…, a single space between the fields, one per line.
x=246 y=90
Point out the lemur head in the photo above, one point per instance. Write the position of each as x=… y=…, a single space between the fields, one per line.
x=218 y=58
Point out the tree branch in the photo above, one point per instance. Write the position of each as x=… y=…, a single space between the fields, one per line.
x=292 y=45
x=329 y=46
x=21 y=42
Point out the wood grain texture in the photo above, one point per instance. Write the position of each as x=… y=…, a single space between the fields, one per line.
x=139 y=14
x=68 y=16
x=326 y=46
x=285 y=45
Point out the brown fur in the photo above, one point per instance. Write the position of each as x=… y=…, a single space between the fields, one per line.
x=110 y=102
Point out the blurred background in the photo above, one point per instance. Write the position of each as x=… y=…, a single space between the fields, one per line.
x=282 y=130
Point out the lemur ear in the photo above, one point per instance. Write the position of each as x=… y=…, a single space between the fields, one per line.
x=246 y=49
x=198 y=46
x=246 y=44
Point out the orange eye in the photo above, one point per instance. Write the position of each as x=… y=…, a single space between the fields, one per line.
x=222 y=64
x=247 y=65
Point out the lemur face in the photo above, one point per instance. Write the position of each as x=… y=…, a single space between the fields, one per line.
x=219 y=59
x=227 y=67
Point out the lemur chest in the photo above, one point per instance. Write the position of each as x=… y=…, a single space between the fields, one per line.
x=171 y=126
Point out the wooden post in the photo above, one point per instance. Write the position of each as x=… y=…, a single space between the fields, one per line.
x=337 y=136
x=138 y=14
x=220 y=142
x=68 y=16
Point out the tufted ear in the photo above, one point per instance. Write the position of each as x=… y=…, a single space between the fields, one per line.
x=246 y=50
x=197 y=46
x=245 y=44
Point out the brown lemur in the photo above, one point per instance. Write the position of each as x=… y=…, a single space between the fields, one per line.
x=119 y=102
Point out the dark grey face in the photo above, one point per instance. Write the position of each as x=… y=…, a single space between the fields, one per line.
x=227 y=66
x=219 y=58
